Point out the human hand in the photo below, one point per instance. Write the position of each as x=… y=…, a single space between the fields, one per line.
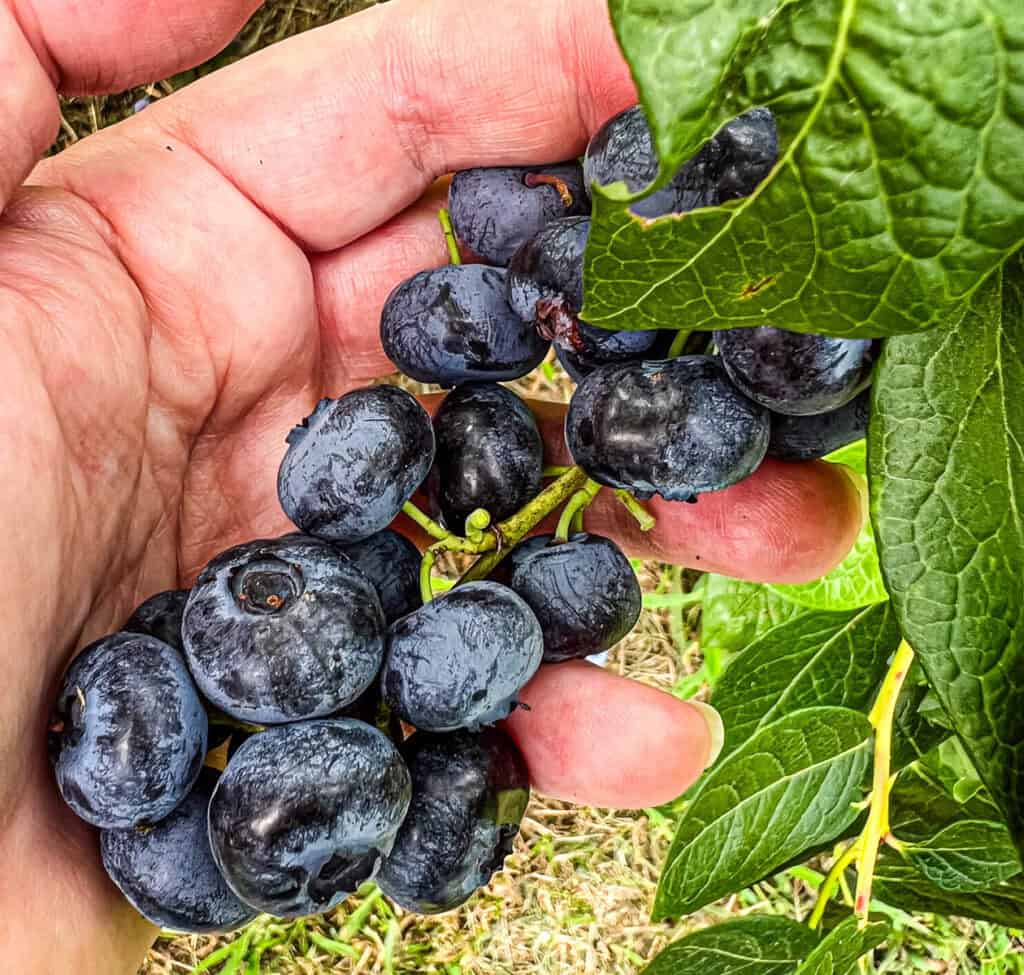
x=178 y=290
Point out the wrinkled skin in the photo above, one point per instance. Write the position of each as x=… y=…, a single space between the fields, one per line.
x=128 y=733
x=728 y=166
x=461 y=660
x=545 y=287
x=168 y=874
x=453 y=325
x=169 y=312
x=794 y=373
x=583 y=592
x=811 y=437
x=676 y=428
x=303 y=813
x=469 y=794
x=283 y=629
x=392 y=564
x=495 y=210
x=489 y=454
x=354 y=462
x=160 y=616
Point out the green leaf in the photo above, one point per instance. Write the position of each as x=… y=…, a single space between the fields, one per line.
x=792 y=785
x=734 y=613
x=839 y=950
x=913 y=734
x=947 y=477
x=971 y=855
x=919 y=806
x=902 y=885
x=755 y=945
x=898 y=186
x=857 y=580
x=813 y=660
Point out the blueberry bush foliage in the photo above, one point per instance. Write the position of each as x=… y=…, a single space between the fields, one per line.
x=877 y=714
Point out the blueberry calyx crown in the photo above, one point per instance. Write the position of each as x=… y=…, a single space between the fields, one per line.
x=267 y=586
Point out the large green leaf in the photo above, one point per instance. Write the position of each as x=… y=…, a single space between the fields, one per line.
x=919 y=806
x=901 y=884
x=755 y=945
x=913 y=734
x=839 y=950
x=735 y=613
x=857 y=580
x=970 y=856
x=791 y=786
x=898 y=188
x=813 y=660
x=947 y=475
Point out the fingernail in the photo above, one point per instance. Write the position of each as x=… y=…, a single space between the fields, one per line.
x=860 y=483
x=716 y=730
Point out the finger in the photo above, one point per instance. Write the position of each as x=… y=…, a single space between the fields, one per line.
x=333 y=132
x=786 y=523
x=598 y=739
x=109 y=45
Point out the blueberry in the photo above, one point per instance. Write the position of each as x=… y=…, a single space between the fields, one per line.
x=167 y=871
x=489 y=453
x=494 y=211
x=283 y=629
x=303 y=814
x=128 y=733
x=352 y=465
x=454 y=325
x=583 y=592
x=392 y=563
x=811 y=437
x=677 y=428
x=160 y=616
x=795 y=373
x=469 y=794
x=729 y=165
x=545 y=287
x=461 y=661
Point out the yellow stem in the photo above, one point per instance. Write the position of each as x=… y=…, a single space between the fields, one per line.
x=881 y=717
x=828 y=888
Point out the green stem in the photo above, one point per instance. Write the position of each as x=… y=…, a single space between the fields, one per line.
x=577 y=522
x=431 y=527
x=449 y=235
x=877 y=826
x=577 y=503
x=556 y=471
x=426 y=568
x=476 y=524
x=516 y=527
x=828 y=888
x=679 y=342
x=643 y=517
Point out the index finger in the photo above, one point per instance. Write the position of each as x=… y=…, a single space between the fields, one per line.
x=333 y=132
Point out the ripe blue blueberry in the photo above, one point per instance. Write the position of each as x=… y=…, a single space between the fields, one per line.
x=489 y=454
x=354 y=462
x=811 y=437
x=461 y=661
x=583 y=592
x=469 y=793
x=303 y=814
x=160 y=616
x=167 y=871
x=392 y=563
x=128 y=733
x=793 y=372
x=495 y=210
x=677 y=428
x=283 y=629
x=729 y=165
x=454 y=325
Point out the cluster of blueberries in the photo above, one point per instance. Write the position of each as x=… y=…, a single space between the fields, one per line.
x=354 y=723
